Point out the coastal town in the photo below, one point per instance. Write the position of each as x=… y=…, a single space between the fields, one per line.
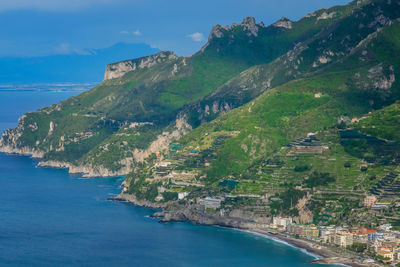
x=350 y=245
x=380 y=245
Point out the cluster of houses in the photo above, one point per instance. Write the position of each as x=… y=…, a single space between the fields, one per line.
x=384 y=241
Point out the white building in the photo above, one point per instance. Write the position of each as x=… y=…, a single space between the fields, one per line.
x=280 y=222
x=164 y=163
x=182 y=195
x=344 y=239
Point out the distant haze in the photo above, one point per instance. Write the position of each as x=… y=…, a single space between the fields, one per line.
x=84 y=67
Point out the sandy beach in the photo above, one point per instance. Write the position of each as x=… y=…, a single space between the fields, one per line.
x=322 y=253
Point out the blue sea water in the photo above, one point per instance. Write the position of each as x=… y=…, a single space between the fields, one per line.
x=51 y=218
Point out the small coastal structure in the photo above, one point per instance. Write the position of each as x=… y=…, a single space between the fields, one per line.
x=279 y=222
x=386 y=253
x=211 y=203
x=164 y=163
x=311 y=233
x=385 y=227
x=344 y=239
x=375 y=236
x=182 y=195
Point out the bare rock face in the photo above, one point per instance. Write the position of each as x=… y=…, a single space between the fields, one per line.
x=85 y=170
x=326 y=15
x=378 y=80
x=216 y=32
x=250 y=25
x=10 y=143
x=163 y=140
x=119 y=69
x=283 y=23
x=305 y=215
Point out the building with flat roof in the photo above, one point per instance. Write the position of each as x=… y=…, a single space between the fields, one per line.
x=344 y=239
x=281 y=222
x=209 y=202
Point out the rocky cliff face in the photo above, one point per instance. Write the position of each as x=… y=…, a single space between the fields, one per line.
x=284 y=23
x=86 y=171
x=119 y=69
x=10 y=143
x=248 y=26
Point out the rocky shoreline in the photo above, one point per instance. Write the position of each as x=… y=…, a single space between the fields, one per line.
x=87 y=171
x=193 y=213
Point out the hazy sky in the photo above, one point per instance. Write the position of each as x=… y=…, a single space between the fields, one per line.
x=40 y=27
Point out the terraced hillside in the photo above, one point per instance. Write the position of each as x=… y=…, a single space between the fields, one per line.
x=260 y=151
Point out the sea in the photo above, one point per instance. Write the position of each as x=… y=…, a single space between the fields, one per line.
x=51 y=218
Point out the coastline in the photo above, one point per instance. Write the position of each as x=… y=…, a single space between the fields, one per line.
x=322 y=254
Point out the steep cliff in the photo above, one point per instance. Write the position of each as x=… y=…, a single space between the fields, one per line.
x=119 y=69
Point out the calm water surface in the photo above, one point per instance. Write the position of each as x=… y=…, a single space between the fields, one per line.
x=51 y=218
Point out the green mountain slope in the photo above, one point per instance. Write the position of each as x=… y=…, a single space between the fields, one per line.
x=345 y=28
x=297 y=118
x=261 y=148
x=97 y=132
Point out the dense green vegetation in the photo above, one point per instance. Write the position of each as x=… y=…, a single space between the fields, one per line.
x=250 y=144
x=298 y=120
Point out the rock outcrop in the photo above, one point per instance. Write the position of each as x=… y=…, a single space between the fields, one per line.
x=283 y=23
x=248 y=25
x=86 y=171
x=119 y=69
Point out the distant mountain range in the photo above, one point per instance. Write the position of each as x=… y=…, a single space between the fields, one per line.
x=88 y=67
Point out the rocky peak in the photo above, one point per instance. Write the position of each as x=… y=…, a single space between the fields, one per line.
x=284 y=22
x=216 y=32
x=119 y=69
x=250 y=25
x=249 y=22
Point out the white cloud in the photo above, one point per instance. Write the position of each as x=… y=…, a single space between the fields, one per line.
x=124 y=32
x=63 y=48
x=137 y=33
x=52 y=5
x=197 y=37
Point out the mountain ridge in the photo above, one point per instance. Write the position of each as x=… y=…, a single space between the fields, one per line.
x=217 y=62
x=271 y=112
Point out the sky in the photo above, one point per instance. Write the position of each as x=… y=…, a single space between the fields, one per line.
x=46 y=27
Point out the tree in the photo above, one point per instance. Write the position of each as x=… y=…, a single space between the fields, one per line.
x=358 y=247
